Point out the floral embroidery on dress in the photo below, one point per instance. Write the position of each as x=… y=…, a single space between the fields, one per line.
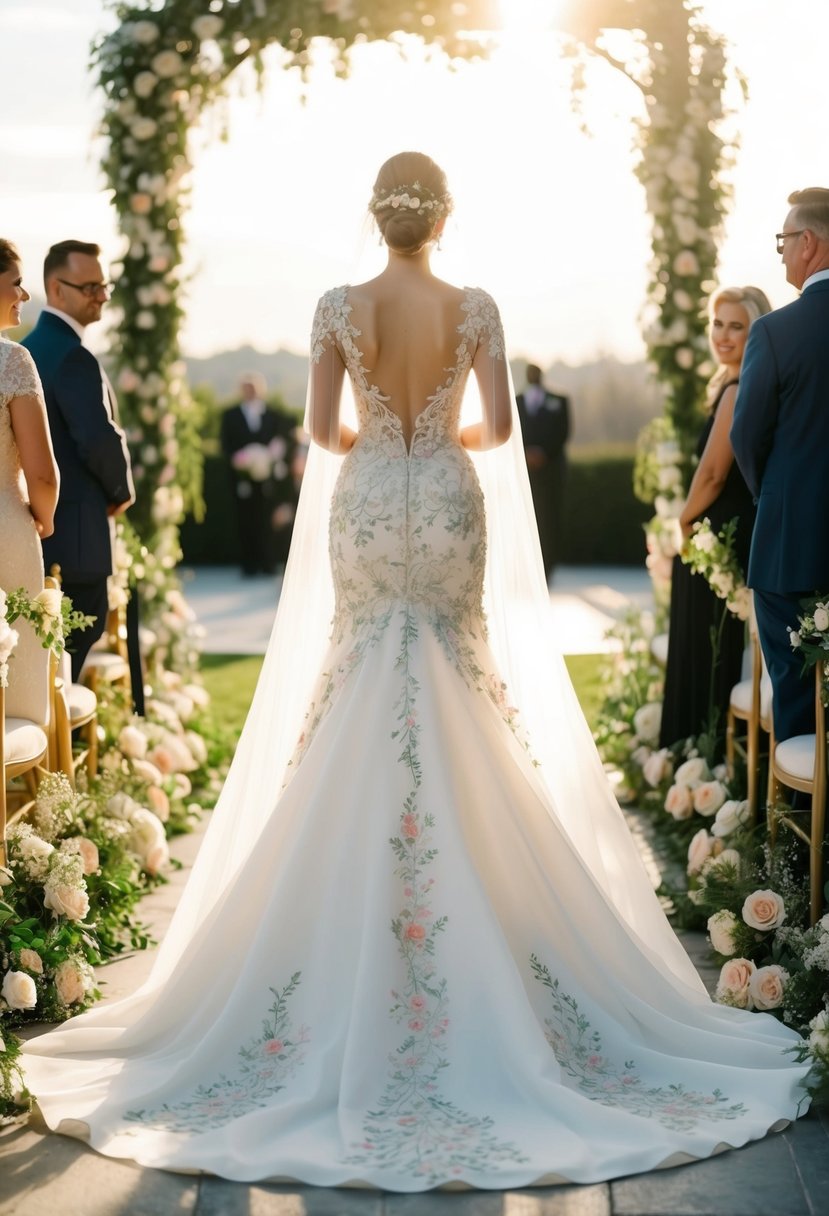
x=414 y=1129
x=579 y=1052
x=265 y=1065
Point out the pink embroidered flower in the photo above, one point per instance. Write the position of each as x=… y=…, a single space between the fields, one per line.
x=594 y=1061
x=415 y=932
x=408 y=892
x=416 y=1023
x=412 y=1061
x=417 y=1002
x=409 y=827
x=272 y=1047
x=423 y=913
x=407 y=1120
x=410 y=720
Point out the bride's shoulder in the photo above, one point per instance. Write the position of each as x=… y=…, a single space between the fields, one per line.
x=481 y=309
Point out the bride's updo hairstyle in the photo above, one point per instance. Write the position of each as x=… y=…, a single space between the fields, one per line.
x=410 y=195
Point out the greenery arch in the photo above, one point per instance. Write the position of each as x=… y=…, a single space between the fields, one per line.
x=168 y=59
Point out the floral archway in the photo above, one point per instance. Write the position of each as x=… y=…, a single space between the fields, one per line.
x=167 y=61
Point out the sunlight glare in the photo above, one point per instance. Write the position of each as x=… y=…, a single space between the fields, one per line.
x=522 y=17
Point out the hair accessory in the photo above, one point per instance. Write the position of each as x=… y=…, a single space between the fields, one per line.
x=410 y=198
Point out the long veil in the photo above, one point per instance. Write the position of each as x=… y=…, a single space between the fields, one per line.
x=569 y=772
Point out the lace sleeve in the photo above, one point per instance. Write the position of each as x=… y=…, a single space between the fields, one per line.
x=18 y=374
x=327 y=370
x=489 y=363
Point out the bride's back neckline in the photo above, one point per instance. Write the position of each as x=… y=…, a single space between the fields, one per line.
x=389 y=367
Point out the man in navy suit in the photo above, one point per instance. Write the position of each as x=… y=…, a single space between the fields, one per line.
x=780 y=436
x=90 y=448
x=545 y=427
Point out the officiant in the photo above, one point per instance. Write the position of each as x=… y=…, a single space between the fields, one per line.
x=257 y=442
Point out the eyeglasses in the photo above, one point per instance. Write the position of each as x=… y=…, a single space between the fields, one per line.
x=90 y=290
x=780 y=237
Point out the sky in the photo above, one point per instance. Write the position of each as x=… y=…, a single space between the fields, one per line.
x=550 y=220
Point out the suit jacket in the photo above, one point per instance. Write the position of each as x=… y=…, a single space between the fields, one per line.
x=548 y=427
x=780 y=436
x=90 y=449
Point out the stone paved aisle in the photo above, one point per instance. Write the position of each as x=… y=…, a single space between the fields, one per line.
x=45 y=1175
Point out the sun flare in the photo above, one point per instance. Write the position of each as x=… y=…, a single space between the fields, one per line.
x=521 y=17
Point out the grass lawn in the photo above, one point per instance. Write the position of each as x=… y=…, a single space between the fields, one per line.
x=230 y=679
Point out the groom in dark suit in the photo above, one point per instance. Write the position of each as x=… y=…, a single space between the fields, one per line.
x=780 y=436
x=90 y=448
x=545 y=427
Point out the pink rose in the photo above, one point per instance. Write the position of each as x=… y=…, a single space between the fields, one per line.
x=767 y=985
x=709 y=797
x=417 y=1002
x=764 y=910
x=678 y=802
x=273 y=1047
x=699 y=850
x=732 y=986
x=415 y=932
x=416 y=1024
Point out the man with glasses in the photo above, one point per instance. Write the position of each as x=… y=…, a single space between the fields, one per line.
x=780 y=436
x=90 y=448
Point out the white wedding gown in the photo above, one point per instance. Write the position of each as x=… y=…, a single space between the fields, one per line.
x=415 y=975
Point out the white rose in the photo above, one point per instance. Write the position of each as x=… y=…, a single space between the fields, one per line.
x=121 y=806
x=821 y=619
x=132 y=742
x=144 y=83
x=678 y=802
x=167 y=64
x=30 y=960
x=764 y=910
x=730 y=816
x=647 y=720
x=794 y=639
x=147 y=772
x=71 y=981
x=732 y=986
x=157 y=858
x=740 y=603
x=182 y=785
x=65 y=900
x=685 y=263
x=767 y=986
x=49 y=601
x=147 y=833
x=699 y=850
x=145 y=319
x=197 y=746
x=708 y=797
x=145 y=32
x=143 y=128
x=721 y=928
x=722 y=582
x=35 y=854
x=207 y=26
x=819 y=1026
x=692 y=772
x=657 y=767
x=684 y=357
x=18 y=990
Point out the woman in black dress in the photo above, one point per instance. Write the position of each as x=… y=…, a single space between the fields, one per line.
x=719 y=493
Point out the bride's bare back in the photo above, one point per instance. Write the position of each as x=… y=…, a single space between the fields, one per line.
x=408 y=339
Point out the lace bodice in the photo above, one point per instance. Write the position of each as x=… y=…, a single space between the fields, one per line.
x=481 y=327
x=18 y=378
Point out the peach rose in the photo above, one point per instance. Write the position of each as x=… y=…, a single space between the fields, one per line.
x=658 y=767
x=764 y=910
x=159 y=802
x=157 y=858
x=70 y=982
x=732 y=986
x=692 y=772
x=132 y=742
x=87 y=850
x=30 y=960
x=708 y=797
x=699 y=850
x=767 y=986
x=819 y=1026
x=678 y=802
x=63 y=900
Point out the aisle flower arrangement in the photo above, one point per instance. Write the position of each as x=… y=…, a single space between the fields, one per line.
x=712 y=555
x=82 y=858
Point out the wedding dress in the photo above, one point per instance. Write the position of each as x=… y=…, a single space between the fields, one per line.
x=420 y=950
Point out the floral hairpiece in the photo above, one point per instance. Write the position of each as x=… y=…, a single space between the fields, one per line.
x=410 y=198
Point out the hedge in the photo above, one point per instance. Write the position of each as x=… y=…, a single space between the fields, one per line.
x=602 y=519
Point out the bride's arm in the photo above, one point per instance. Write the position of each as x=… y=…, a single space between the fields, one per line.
x=490 y=368
x=325 y=386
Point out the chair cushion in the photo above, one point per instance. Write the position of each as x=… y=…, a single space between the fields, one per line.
x=108 y=665
x=24 y=741
x=659 y=648
x=797 y=756
x=82 y=702
x=740 y=699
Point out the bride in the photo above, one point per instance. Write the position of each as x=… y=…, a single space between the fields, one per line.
x=418 y=946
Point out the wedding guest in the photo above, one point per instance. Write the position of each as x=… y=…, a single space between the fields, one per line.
x=257 y=441
x=781 y=440
x=91 y=451
x=545 y=426
x=25 y=517
x=700 y=675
